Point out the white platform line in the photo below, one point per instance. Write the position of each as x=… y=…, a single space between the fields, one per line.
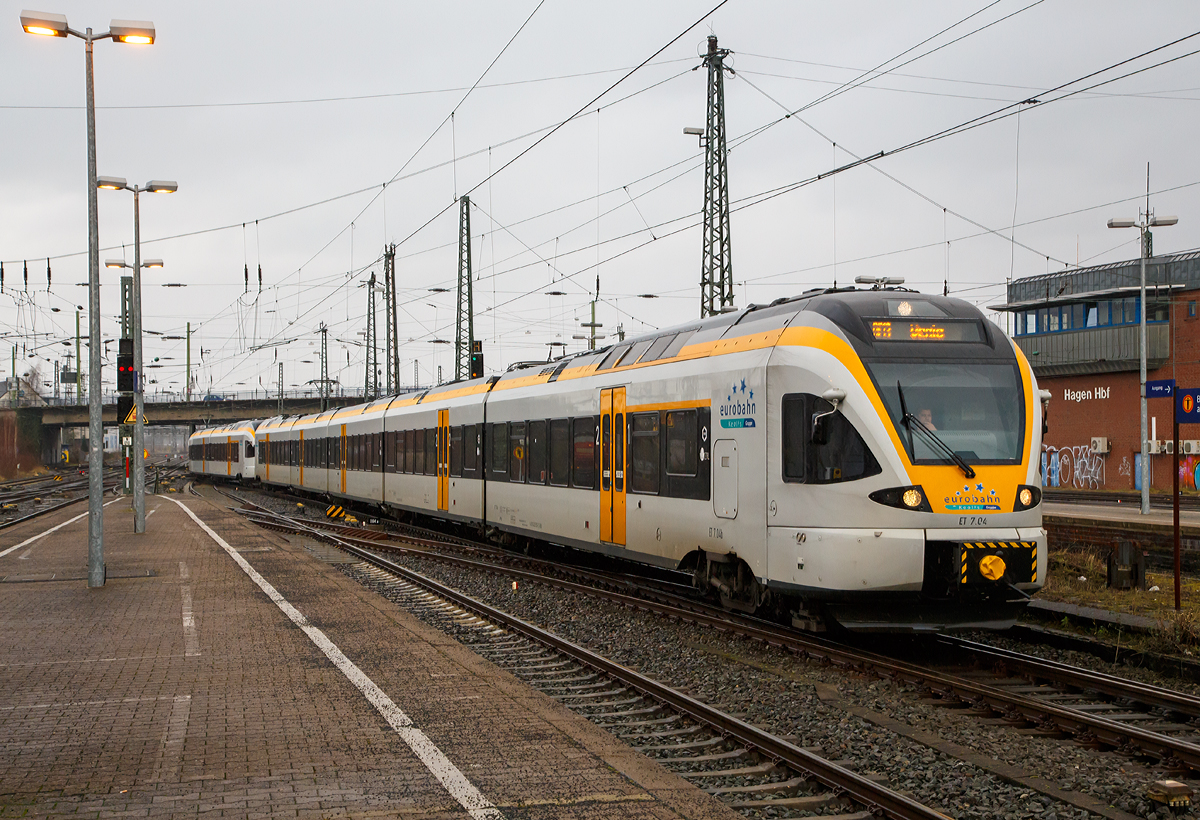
x=42 y=535
x=191 y=644
x=451 y=778
x=172 y=751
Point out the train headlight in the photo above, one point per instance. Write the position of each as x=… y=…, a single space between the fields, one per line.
x=904 y=498
x=1027 y=497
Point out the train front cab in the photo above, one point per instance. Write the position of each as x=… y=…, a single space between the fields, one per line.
x=871 y=521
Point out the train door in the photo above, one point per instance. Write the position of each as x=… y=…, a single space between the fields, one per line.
x=229 y=455
x=443 y=460
x=342 y=458
x=612 y=465
x=266 y=457
x=301 y=459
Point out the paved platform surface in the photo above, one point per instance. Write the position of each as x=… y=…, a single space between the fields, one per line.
x=1127 y=515
x=186 y=686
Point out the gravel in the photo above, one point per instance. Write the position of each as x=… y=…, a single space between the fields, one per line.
x=775 y=690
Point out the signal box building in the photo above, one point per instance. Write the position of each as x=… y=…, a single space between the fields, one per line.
x=1080 y=331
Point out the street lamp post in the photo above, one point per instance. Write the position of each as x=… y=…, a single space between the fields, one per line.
x=154 y=186
x=122 y=31
x=1146 y=220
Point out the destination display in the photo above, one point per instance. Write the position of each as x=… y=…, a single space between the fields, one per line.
x=917 y=330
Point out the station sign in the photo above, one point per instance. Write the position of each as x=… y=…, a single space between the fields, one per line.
x=1187 y=405
x=1160 y=388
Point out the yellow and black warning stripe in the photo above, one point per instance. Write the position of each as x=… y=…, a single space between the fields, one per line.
x=1003 y=548
x=335 y=511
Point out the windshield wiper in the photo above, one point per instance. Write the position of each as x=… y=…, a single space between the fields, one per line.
x=930 y=437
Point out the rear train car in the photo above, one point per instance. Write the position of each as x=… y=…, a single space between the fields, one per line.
x=229 y=451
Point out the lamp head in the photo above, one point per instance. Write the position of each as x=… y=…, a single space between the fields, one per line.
x=1163 y=221
x=1122 y=223
x=44 y=23
x=162 y=186
x=152 y=263
x=111 y=183
x=136 y=32
x=114 y=263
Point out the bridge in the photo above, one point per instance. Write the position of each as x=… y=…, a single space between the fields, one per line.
x=199 y=413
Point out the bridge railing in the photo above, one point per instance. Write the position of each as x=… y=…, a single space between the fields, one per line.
x=169 y=397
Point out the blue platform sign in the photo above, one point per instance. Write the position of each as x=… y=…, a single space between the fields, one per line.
x=1160 y=389
x=1187 y=405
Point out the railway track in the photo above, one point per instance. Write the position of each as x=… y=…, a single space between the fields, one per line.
x=711 y=748
x=1090 y=708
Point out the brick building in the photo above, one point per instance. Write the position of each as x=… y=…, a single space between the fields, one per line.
x=1080 y=331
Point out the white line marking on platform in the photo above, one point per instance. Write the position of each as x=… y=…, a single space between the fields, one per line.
x=172 y=752
x=451 y=778
x=39 y=536
x=191 y=644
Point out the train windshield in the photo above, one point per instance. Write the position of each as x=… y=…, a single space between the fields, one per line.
x=975 y=408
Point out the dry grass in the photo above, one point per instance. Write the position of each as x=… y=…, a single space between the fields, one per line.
x=1179 y=631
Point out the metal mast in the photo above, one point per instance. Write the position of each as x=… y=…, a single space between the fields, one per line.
x=392 y=365
x=324 y=367
x=371 y=385
x=716 y=274
x=464 y=327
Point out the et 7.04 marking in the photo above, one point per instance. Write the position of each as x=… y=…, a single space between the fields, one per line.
x=972 y=521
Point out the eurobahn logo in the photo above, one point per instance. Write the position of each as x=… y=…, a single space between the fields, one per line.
x=738 y=411
x=973 y=498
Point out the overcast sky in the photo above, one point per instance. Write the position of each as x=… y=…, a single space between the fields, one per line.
x=289 y=118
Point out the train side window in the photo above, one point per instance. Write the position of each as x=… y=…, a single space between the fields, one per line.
x=682 y=448
x=516 y=451
x=795 y=437
x=614 y=356
x=537 y=452
x=499 y=461
x=560 y=452
x=249 y=449
x=389 y=451
x=605 y=452
x=470 y=456
x=401 y=452
x=583 y=453
x=456 y=451
x=431 y=451
x=643 y=453
x=844 y=457
x=416 y=454
x=410 y=454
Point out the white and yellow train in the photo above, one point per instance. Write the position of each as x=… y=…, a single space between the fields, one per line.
x=865 y=457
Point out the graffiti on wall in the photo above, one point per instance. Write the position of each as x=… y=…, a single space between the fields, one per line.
x=1189 y=467
x=1126 y=467
x=1072 y=467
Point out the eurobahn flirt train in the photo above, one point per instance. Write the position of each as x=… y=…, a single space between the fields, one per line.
x=865 y=457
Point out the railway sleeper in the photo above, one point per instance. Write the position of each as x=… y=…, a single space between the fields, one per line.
x=736 y=754
x=747 y=771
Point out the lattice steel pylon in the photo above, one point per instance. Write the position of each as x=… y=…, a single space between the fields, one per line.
x=464 y=326
x=371 y=384
x=392 y=365
x=324 y=367
x=716 y=274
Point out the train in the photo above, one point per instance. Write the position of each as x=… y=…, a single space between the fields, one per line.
x=858 y=457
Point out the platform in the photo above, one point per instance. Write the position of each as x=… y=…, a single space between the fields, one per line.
x=1123 y=515
x=231 y=672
